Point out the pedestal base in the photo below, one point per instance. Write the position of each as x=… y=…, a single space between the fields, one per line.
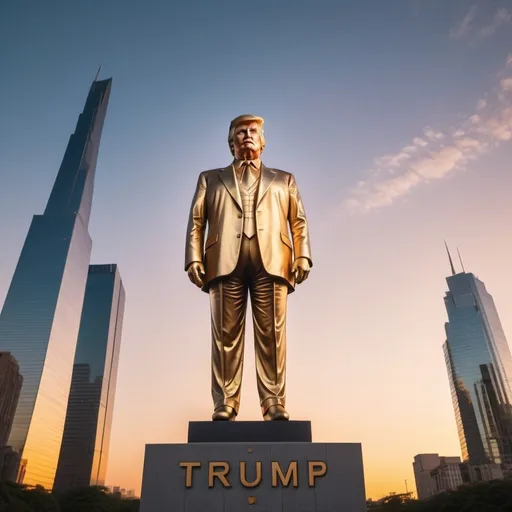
x=249 y=432
x=253 y=477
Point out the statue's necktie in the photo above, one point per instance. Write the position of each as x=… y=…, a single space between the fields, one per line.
x=248 y=177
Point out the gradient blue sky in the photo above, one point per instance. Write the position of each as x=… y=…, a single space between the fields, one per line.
x=395 y=118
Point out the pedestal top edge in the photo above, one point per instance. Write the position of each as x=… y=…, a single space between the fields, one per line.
x=246 y=443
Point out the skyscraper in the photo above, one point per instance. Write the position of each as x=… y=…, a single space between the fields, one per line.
x=480 y=371
x=10 y=387
x=85 y=444
x=41 y=315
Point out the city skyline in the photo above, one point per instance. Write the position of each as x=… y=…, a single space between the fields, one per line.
x=83 y=458
x=40 y=317
x=395 y=120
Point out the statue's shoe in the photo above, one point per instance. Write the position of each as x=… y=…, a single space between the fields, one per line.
x=224 y=413
x=276 y=413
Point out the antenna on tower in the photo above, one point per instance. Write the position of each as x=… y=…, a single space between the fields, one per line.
x=97 y=74
x=450 y=258
x=460 y=259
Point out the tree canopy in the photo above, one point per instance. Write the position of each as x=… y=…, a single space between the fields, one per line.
x=495 y=496
x=17 y=498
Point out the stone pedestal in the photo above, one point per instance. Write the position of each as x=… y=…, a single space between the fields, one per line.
x=249 y=432
x=249 y=466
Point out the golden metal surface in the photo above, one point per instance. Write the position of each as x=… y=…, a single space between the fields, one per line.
x=188 y=471
x=247 y=235
x=218 y=470
x=243 y=475
x=291 y=474
x=315 y=470
x=281 y=475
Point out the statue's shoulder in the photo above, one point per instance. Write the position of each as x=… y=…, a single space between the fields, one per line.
x=213 y=171
x=209 y=173
x=283 y=174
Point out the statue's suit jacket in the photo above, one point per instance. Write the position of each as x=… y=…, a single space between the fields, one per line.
x=217 y=205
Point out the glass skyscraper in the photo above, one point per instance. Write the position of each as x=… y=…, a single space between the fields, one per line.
x=41 y=315
x=84 y=452
x=480 y=371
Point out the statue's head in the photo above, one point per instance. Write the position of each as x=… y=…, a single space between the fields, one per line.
x=246 y=139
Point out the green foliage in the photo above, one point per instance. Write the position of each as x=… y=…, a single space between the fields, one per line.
x=397 y=503
x=495 y=496
x=18 y=498
x=90 y=499
x=40 y=500
x=393 y=500
x=482 y=497
x=12 y=498
x=129 y=506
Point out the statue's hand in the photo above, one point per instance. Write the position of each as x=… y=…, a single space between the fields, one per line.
x=196 y=273
x=301 y=269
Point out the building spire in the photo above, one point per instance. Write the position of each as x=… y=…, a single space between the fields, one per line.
x=97 y=73
x=450 y=258
x=73 y=188
x=460 y=259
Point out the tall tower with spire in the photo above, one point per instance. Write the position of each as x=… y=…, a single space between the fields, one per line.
x=479 y=367
x=40 y=318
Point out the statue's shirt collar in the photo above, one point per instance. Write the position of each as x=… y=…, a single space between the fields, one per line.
x=256 y=164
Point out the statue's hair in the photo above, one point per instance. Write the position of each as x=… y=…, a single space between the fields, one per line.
x=246 y=118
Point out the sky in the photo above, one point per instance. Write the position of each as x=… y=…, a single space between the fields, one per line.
x=396 y=120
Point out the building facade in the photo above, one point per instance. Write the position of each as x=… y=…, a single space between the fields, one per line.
x=40 y=318
x=482 y=472
x=434 y=474
x=447 y=476
x=85 y=443
x=479 y=368
x=10 y=387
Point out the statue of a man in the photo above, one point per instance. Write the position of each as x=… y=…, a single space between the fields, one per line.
x=249 y=210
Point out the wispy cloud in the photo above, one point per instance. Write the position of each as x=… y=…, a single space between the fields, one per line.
x=481 y=104
x=469 y=25
x=506 y=84
x=418 y=141
x=432 y=134
x=463 y=27
x=436 y=155
x=501 y=17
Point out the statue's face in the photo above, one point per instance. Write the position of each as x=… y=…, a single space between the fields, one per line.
x=247 y=141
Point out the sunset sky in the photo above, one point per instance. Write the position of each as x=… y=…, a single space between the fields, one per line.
x=395 y=118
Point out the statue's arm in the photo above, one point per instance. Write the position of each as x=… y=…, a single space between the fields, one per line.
x=298 y=224
x=196 y=224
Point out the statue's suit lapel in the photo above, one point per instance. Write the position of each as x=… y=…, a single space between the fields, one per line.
x=267 y=176
x=228 y=177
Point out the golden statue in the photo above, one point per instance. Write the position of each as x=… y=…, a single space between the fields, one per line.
x=249 y=210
